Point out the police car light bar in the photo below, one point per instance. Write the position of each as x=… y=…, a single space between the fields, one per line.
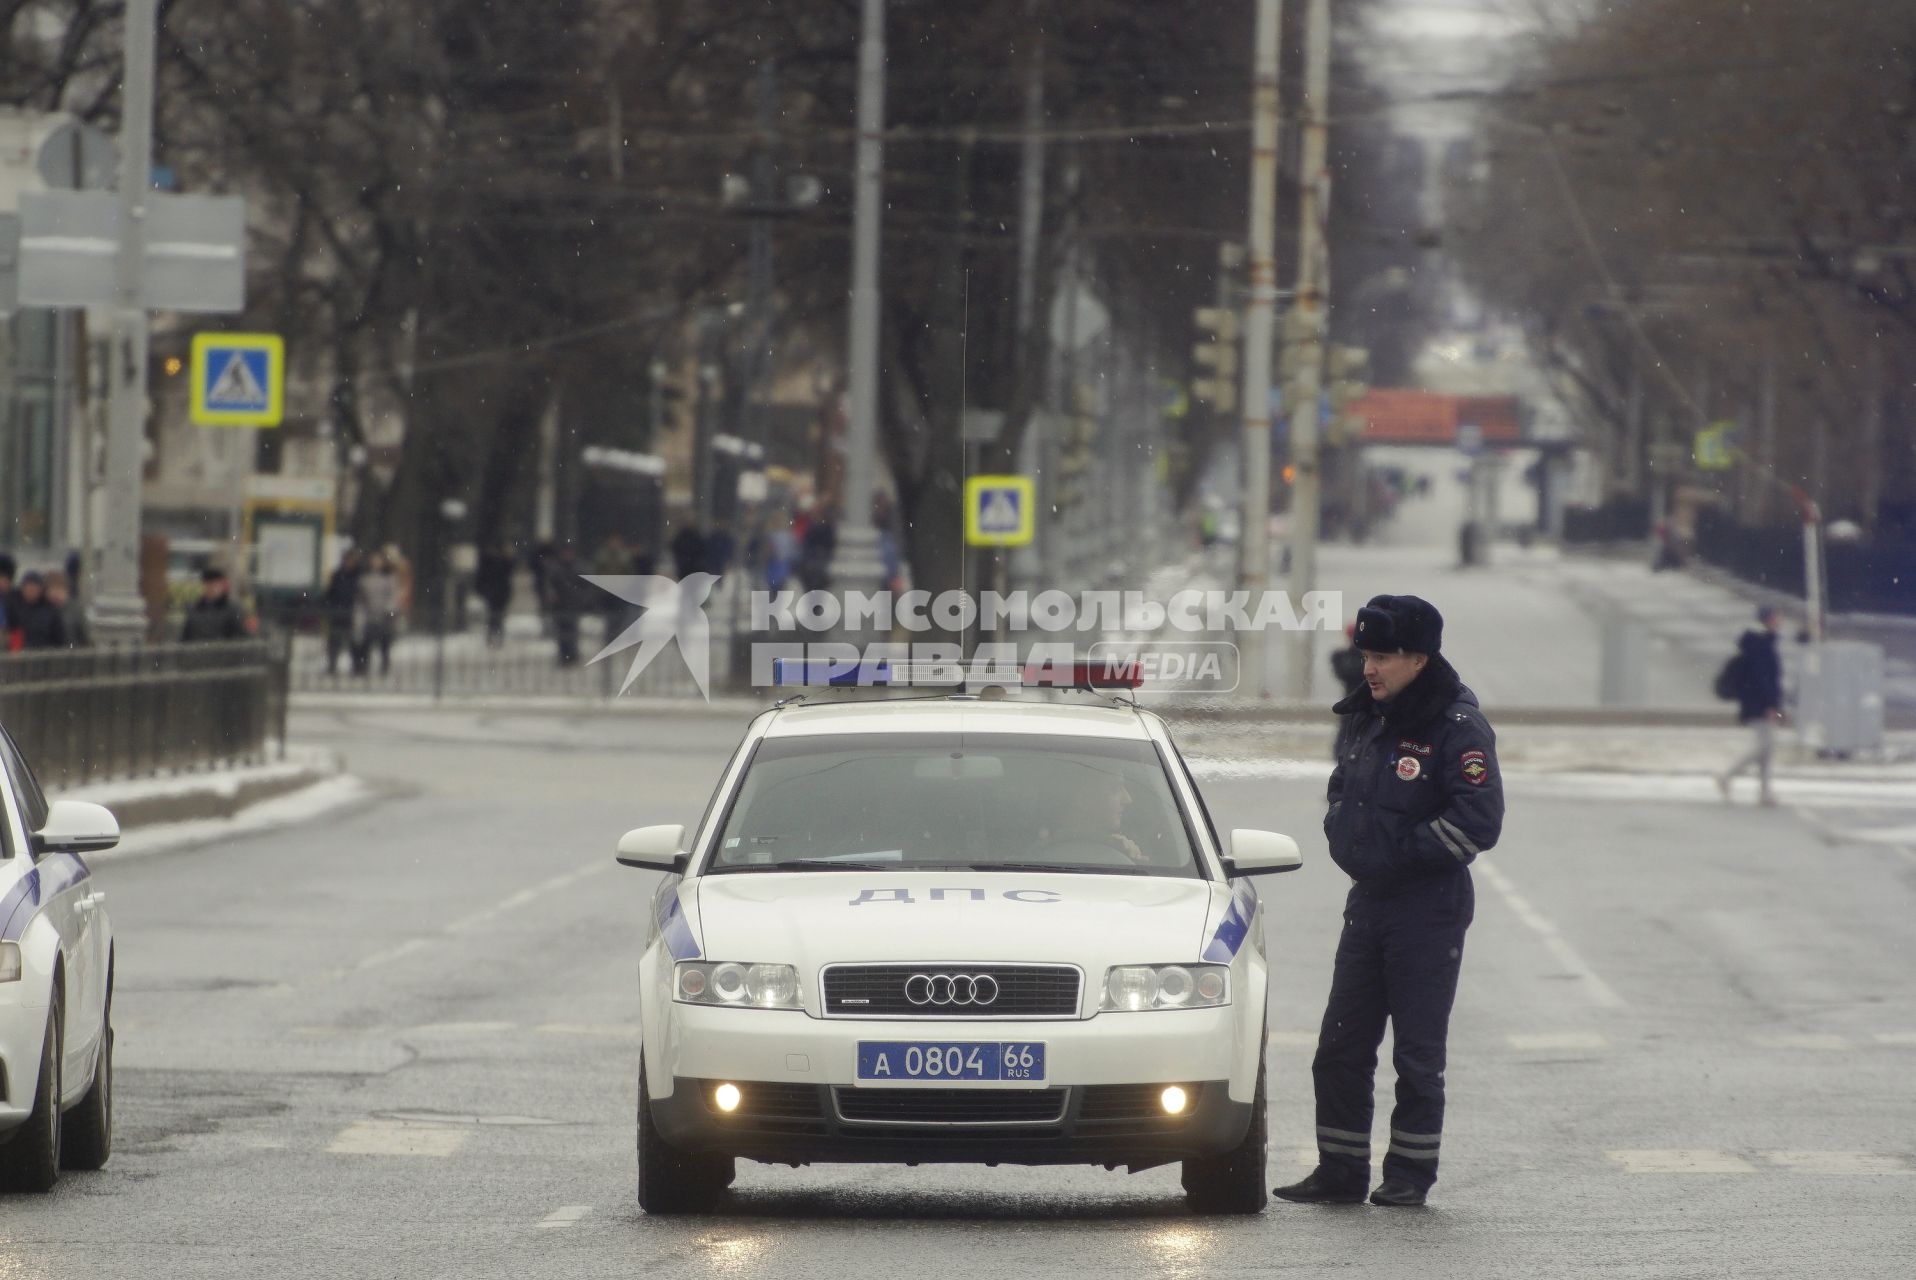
x=837 y=673
x=1083 y=673
x=869 y=673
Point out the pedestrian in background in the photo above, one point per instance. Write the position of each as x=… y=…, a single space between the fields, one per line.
x=214 y=616
x=688 y=551
x=339 y=601
x=41 y=623
x=571 y=597
x=377 y=619
x=1413 y=799
x=493 y=582
x=60 y=596
x=8 y=635
x=1755 y=679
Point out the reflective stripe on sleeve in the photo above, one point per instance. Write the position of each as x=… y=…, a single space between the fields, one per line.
x=1437 y=829
x=1457 y=834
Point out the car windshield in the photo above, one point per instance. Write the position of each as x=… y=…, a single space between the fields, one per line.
x=928 y=801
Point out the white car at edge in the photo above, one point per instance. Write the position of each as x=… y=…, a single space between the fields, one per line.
x=56 y=983
x=954 y=929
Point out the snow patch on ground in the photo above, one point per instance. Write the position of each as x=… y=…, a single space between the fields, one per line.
x=304 y=805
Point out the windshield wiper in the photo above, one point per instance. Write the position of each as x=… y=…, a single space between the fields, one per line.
x=813 y=864
x=1052 y=866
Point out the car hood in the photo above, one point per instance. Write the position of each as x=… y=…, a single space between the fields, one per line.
x=812 y=919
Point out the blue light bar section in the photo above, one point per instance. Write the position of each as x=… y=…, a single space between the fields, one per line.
x=814 y=672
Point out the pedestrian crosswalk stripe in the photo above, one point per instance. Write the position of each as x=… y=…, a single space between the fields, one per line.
x=1842 y=1163
x=1896 y=1037
x=397 y=1138
x=567 y=1215
x=1557 y=1040
x=1678 y=1161
x=1818 y=1042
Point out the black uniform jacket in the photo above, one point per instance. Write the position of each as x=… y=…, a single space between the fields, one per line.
x=1416 y=793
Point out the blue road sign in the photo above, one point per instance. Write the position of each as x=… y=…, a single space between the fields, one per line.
x=238 y=379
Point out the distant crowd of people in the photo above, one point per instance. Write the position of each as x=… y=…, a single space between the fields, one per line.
x=364 y=599
x=37 y=610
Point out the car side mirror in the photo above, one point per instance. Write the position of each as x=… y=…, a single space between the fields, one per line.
x=1262 y=853
x=76 y=826
x=660 y=848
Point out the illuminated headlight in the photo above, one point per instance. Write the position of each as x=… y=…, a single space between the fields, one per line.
x=1131 y=987
x=745 y=986
x=9 y=962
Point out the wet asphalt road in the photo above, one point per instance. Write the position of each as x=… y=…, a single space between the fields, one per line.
x=400 y=1042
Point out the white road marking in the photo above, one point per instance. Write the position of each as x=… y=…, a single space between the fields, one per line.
x=1294 y=1039
x=397 y=1138
x=1601 y=993
x=1817 y=1042
x=1841 y=1163
x=1558 y=1040
x=397 y=952
x=517 y=899
x=458 y=1029
x=623 y=1031
x=1896 y=1037
x=1675 y=1161
x=564 y=1216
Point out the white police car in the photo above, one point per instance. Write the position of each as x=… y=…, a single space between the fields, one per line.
x=954 y=929
x=56 y=983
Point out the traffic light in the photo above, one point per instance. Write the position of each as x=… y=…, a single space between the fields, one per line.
x=1217 y=352
x=1346 y=367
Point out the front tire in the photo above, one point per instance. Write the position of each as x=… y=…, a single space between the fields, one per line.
x=670 y=1180
x=30 y=1160
x=87 y=1136
x=1233 y=1182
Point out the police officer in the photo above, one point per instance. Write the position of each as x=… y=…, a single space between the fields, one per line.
x=1415 y=796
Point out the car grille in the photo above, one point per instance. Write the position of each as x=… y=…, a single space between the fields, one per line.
x=952 y=1106
x=1024 y=991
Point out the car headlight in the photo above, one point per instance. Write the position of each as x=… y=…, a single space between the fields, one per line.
x=1132 y=987
x=729 y=983
x=9 y=962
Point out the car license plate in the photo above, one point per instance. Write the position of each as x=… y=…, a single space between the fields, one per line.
x=949 y=1060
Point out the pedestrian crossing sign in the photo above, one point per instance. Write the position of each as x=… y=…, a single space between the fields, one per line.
x=1000 y=511
x=239 y=379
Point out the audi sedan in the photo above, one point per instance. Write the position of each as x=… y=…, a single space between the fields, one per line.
x=954 y=930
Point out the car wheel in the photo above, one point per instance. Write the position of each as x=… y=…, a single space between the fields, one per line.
x=1233 y=1182
x=671 y=1180
x=87 y=1139
x=30 y=1161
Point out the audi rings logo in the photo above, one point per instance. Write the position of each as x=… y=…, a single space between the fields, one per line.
x=973 y=989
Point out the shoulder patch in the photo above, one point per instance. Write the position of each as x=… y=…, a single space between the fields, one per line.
x=1474 y=766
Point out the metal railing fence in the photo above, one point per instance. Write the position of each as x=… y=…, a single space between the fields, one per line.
x=83 y=715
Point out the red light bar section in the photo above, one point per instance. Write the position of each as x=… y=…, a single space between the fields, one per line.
x=1094 y=673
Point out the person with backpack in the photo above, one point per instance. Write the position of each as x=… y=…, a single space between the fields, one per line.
x=1753 y=679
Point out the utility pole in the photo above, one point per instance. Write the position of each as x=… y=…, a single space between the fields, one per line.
x=1254 y=564
x=855 y=561
x=119 y=611
x=1313 y=288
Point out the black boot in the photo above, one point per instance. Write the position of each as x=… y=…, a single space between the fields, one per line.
x=1322 y=1188
x=1395 y=1193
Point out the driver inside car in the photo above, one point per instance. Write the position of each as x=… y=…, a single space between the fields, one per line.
x=1092 y=813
